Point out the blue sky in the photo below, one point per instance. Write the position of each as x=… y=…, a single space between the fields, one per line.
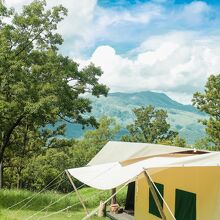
x=130 y=3
x=171 y=46
x=207 y=21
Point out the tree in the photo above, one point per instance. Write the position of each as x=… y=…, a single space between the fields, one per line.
x=45 y=168
x=93 y=141
x=150 y=126
x=36 y=82
x=106 y=131
x=176 y=141
x=38 y=169
x=204 y=144
x=209 y=102
x=24 y=145
x=27 y=143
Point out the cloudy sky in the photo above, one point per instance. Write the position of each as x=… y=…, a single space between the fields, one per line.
x=170 y=46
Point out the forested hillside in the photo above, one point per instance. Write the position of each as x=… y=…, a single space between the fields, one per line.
x=183 y=118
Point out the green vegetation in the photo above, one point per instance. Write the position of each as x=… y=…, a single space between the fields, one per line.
x=39 y=86
x=150 y=126
x=45 y=164
x=209 y=102
x=182 y=118
x=10 y=197
x=21 y=215
x=41 y=200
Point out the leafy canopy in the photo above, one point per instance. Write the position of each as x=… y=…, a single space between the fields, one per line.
x=150 y=126
x=34 y=166
x=209 y=102
x=37 y=84
x=94 y=140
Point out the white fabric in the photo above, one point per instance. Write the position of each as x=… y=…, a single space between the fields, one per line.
x=110 y=175
x=115 y=151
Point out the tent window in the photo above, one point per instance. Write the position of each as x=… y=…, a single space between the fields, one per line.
x=185 y=205
x=152 y=205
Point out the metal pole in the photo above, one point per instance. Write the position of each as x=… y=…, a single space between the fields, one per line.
x=77 y=193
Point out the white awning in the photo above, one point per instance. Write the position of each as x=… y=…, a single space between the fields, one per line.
x=110 y=175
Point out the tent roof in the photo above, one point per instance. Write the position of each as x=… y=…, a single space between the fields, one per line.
x=119 y=151
x=110 y=175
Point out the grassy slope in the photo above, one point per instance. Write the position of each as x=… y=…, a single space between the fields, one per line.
x=40 y=201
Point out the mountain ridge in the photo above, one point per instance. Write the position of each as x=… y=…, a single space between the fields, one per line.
x=161 y=97
x=182 y=118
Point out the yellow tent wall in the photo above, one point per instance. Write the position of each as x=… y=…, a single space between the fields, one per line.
x=204 y=182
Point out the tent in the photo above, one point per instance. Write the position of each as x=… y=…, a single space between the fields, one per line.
x=170 y=182
x=115 y=151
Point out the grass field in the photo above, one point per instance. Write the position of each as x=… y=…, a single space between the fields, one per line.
x=25 y=214
x=48 y=205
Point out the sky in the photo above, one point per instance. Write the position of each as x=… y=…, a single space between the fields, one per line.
x=169 y=46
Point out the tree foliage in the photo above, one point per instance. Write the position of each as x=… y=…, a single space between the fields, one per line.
x=175 y=141
x=150 y=126
x=34 y=166
x=209 y=102
x=27 y=143
x=94 y=140
x=37 y=84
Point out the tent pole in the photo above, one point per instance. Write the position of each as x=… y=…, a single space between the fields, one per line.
x=160 y=195
x=77 y=193
x=154 y=194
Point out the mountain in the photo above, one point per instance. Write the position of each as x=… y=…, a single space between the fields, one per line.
x=183 y=118
x=159 y=100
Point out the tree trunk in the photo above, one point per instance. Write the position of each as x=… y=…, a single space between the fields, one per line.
x=1 y=175
x=114 y=200
x=7 y=135
x=5 y=142
x=18 y=181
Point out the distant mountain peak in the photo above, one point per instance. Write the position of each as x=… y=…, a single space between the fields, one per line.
x=157 y=99
x=119 y=105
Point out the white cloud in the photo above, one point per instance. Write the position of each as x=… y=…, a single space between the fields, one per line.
x=195 y=12
x=99 y=24
x=181 y=97
x=17 y=3
x=175 y=63
x=80 y=16
x=159 y=54
x=196 y=7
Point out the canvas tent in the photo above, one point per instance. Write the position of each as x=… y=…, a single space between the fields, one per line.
x=115 y=151
x=188 y=181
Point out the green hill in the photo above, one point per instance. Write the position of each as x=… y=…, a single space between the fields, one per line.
x=183 y=118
